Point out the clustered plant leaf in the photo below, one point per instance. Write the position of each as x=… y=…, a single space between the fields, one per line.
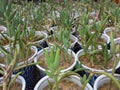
x=23 y=19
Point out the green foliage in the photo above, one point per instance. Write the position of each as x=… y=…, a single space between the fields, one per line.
x=82 y=80
x=52 y=60
x=18 y=17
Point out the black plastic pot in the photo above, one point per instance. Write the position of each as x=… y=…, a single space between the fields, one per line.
x=77 y=66
x=117 y=71
x=108 y=46
x=31 y=76
x=75 y=34
x=76 y=47
x=83 y=72
x=42 y=45
x=92 y=80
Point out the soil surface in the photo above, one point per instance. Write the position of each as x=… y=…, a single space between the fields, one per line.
x=101 y=40
x=3 y=59
x=98 y=62
x=14 y=86
x=66 y=60
x=118 y=46
x=116 y=34
x=4 y=42
x=52 y=40
x=66 y=85
x=107 y=86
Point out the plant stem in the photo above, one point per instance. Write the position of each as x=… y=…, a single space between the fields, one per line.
x=55 y=87
x=89 y=77
x=5 y=81
x=9 y=70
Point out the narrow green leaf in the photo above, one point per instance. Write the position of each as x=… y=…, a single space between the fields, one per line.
x=12 y=15
x=112 y=47
x=3 y=50
x=47 y=56
x=57 y=58
x=14 y=78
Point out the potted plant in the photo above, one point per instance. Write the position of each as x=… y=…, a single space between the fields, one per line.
x=19 y=53
x=67 y=59
x=7 y=79
x=115 y=31
x=104 y=82
x=62 y=38
x=17 y=82
x=91 y=53
x=86 y=31
x=57 y=80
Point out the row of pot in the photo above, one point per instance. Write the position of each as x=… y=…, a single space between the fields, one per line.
x=76 y=58
x=74 y=55
x=107 y=38
x=42 y=81
x=100 y=82
x=77 y=55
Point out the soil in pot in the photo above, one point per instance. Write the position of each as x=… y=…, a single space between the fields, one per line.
x=116 y=34
x=14 y=86
x=3 y=58
x=66 y=60
x=31 y=53
x=4 y=42
x=118 y=46
x=100 y=40
x=52 y=40
x=66 y=85
x=98 y=63
x=107 y=86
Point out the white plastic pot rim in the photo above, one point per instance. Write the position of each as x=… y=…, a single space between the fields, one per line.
x=108 y=29
x=93 y=69
x=29 y=60
x=101 y=80
x=42 y=83
x=32 y=57
x=3 y=28
x=42 y=52
x=19 y=79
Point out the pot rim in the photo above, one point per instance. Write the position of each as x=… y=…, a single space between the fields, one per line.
x=97 y=81
x=93 y=69
x=42 y=51
x=19 y=79
x=72 y=76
